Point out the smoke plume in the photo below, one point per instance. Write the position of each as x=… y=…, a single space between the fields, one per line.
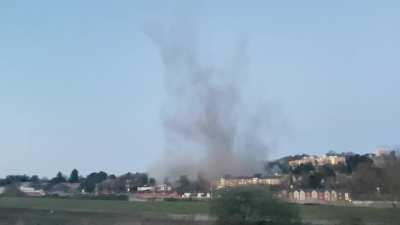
x=208 y=128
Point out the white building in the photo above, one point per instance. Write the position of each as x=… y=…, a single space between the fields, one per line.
x=145 y=188
x=319 y=160
x=164 y=187
x=30 y=191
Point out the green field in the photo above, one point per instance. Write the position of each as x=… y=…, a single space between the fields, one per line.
x=37 y=211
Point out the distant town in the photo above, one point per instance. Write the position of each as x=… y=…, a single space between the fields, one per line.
x=332 y=178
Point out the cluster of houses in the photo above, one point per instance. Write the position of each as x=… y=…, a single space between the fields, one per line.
x=163 y=192
x=166 y=192
x=32 y=192
x=61 y=190
x=164 y=195
x=243 y=181
x=161 y=188
x=319 y=160
x=316 y=196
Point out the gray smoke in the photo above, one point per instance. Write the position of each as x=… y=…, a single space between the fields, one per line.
x=207 y=126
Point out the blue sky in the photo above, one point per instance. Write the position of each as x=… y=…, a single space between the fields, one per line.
x=81 y=85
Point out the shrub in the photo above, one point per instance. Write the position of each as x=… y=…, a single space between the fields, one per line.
x=252 y=206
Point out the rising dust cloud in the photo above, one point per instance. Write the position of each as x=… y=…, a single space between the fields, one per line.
x=207 y=130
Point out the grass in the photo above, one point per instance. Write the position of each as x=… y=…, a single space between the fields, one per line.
x=72 y=211
x=111 y=206
x=343 y=214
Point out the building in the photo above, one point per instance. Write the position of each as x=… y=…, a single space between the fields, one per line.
x=32 y=192
x=245 y=181
x=382 y=152
x=65 y=189
x=319 y=160
x=315 y=196
x=145 y=189
x=163 y=188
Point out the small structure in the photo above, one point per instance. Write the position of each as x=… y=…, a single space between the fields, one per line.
x=145 y=189
x=163 y=188
x=246 y=181
x=32 y=192
x=302 y=195
x=327 y=196
x=186 y=195
x=314 y=195
x=296 y=195
x=65 y=189
x=334 y=196
x=321 y=196
x=347 y=197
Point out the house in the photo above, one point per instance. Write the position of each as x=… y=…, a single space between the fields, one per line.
x=347 y=197
x=163 y=188
x=321 y=196
x=327 y=196
x=334 y=196
x=186 y=195
x=246 y=181
x=32 y=192
x=145 y=189
x=315 y=196
x=296 y=196
x=308 y=196
x=64 y=189
x=203 y=196
x=319 y=160
x=302 y=195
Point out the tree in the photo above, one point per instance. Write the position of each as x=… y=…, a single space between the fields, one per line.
x=92 y=179
x=12 y=179
x=332 y=153
x=74 y=177
x=252 y=206
x=183 y=185
x=314 y=180
x=303 y=169
x=34 y=179
x=58 y=179
x=365 y=181
x=391 y=178
x=152 y=181
x=354 y=160
x=202 y=184
x=340 y=168
x=327 y=171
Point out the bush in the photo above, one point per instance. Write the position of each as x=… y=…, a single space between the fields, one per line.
x=252 y=206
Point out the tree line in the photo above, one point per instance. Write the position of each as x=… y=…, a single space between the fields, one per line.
x=87 y=183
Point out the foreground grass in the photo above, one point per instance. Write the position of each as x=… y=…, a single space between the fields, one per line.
x=72 y=211
x=111 y=206
x=343 y=214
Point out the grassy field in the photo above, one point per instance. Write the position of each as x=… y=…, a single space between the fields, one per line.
x=26 y=211
x=110 y=206
x=344 y=215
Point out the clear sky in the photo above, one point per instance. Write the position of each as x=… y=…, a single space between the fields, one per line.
x=81 y=85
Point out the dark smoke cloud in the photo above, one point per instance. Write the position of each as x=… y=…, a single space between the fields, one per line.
x=207 y=127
